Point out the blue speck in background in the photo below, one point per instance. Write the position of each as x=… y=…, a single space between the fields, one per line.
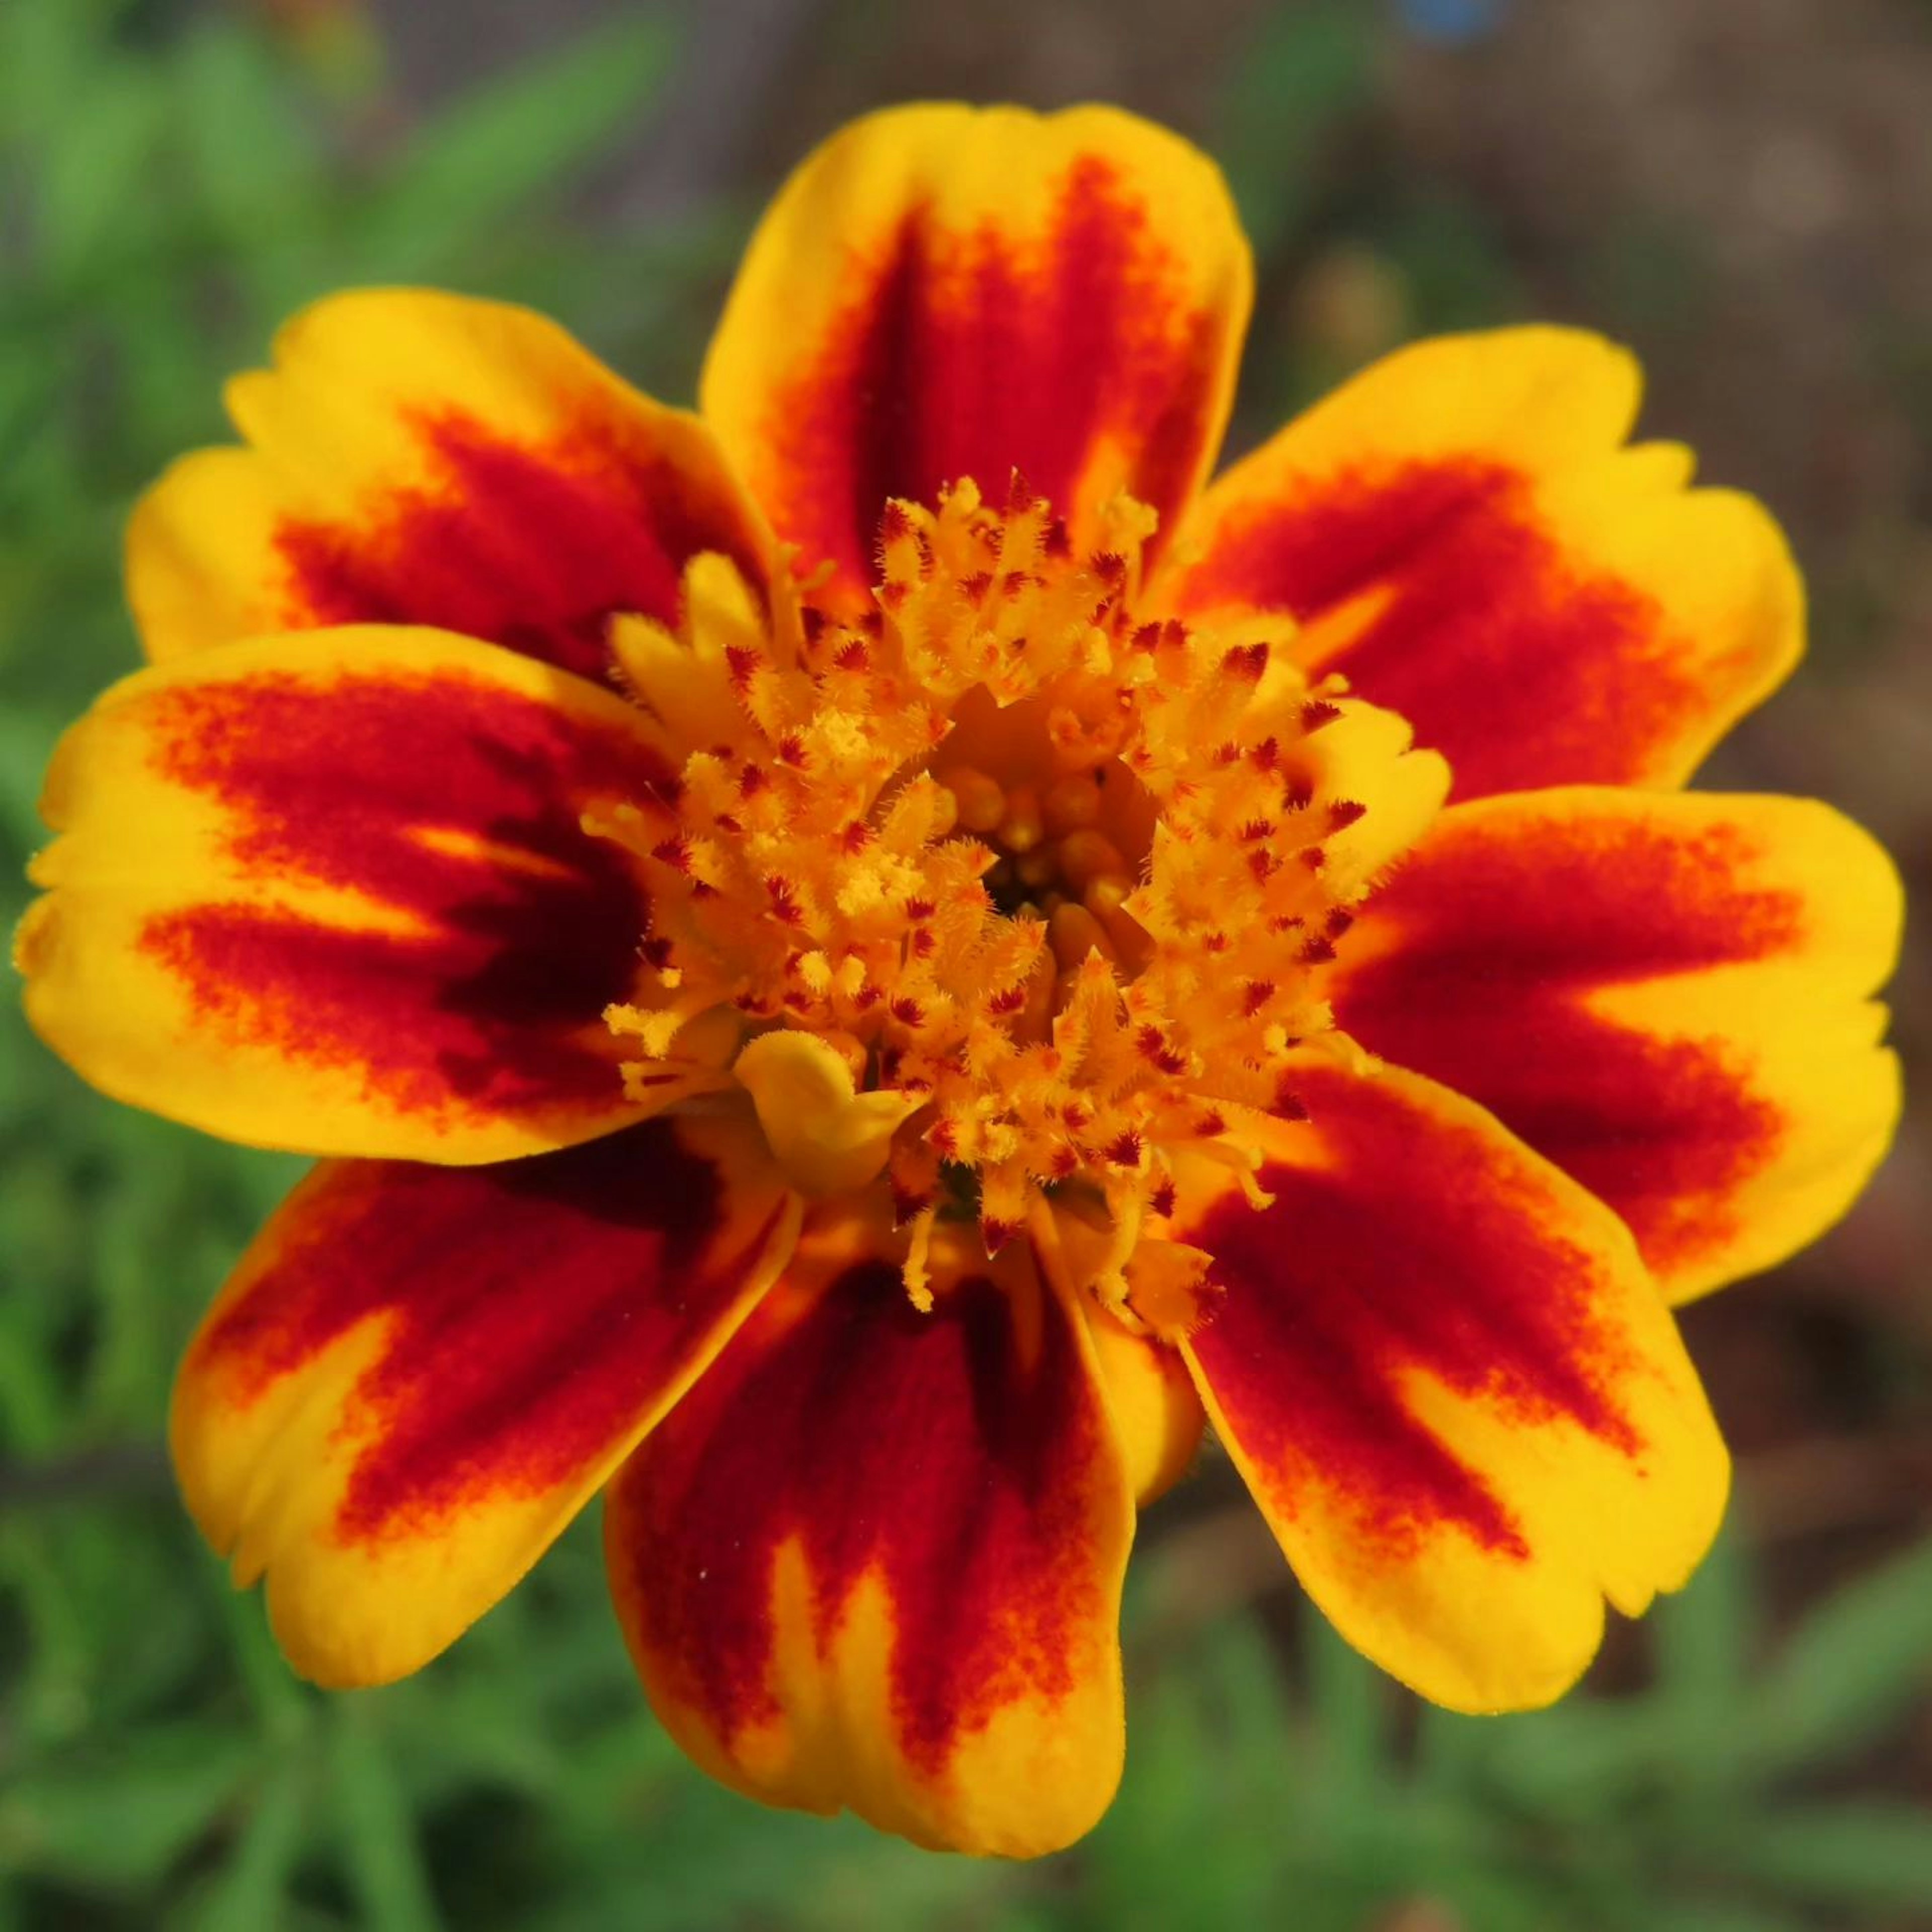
x=1451 y=22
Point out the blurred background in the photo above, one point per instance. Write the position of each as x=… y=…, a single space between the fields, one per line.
x=1741 y=188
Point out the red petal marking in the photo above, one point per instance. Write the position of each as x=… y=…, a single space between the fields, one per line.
x=531 y=548
x=1517 y=662
x=1503 y=938
x=969 y=355
x=495 y=1004
x=926 y=1446
x=1409 y=1251
x=536 y=1308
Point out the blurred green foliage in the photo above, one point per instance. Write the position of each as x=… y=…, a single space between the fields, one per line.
x=172 y=182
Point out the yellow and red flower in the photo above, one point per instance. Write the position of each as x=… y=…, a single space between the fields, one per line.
x=868 y=961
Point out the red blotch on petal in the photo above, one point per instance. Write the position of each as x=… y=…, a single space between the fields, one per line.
x=1409 y=1252
x=925 y=1449
x=534 y=547
x=977 y=355
x=1504 y=937
x=1521 y=664
x=531 y=1310
x=489 y=998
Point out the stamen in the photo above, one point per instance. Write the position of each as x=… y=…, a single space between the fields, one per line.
x=1011 y=881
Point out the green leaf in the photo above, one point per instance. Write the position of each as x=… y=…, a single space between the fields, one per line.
x=1458 y=273
x=247 y=1895
x=380 y=1853
x=45 y=56
x=1351 y=1703
x=94 y=175
x=27 y=734
x=1849 y=1672
x=1309 y=70
x=252 y=156
x=506 y=143
x=1704 y=1638
x=1718 y=1915
x=284 y=1706
x=1586 y=1758
x=1876 y=1853
x=115 y=1821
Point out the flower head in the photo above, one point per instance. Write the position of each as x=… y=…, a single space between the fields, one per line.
x=869 y=961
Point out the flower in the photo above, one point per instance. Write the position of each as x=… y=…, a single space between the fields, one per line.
x=867 y=962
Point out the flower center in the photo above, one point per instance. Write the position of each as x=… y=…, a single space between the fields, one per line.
x=1014 y=889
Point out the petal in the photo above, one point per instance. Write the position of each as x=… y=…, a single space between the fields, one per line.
x=417 y=458
x=1156 y=1415
x=1459 y=533
x=940 y=292
x=1665 y=996
x=875 y=1559
x=1461 y=1403
x=418 y=1375
x=332 y=893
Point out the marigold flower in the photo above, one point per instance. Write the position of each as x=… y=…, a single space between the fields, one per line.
x=868 y=961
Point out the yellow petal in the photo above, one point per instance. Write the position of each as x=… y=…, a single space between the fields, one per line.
x=420 y=458
x=1156 y=1415
x=1667 y=996
x=333 y=893
x=1461 y=1402
x=942 y=291
x=874 y=1560
x=1460 y=533
x=418 y=1375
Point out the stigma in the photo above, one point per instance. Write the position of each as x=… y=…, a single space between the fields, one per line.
x=1051 y=877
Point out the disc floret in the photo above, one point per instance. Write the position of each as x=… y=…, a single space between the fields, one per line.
x=1057 y=873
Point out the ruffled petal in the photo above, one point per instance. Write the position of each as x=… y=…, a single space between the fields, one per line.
x=1460 y=1402
x=1665 y=996
x=1459 y=533
x=875 y=1559
x=419 y=458
x=333 y=893
x=418 y=1375
x=940 y=292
